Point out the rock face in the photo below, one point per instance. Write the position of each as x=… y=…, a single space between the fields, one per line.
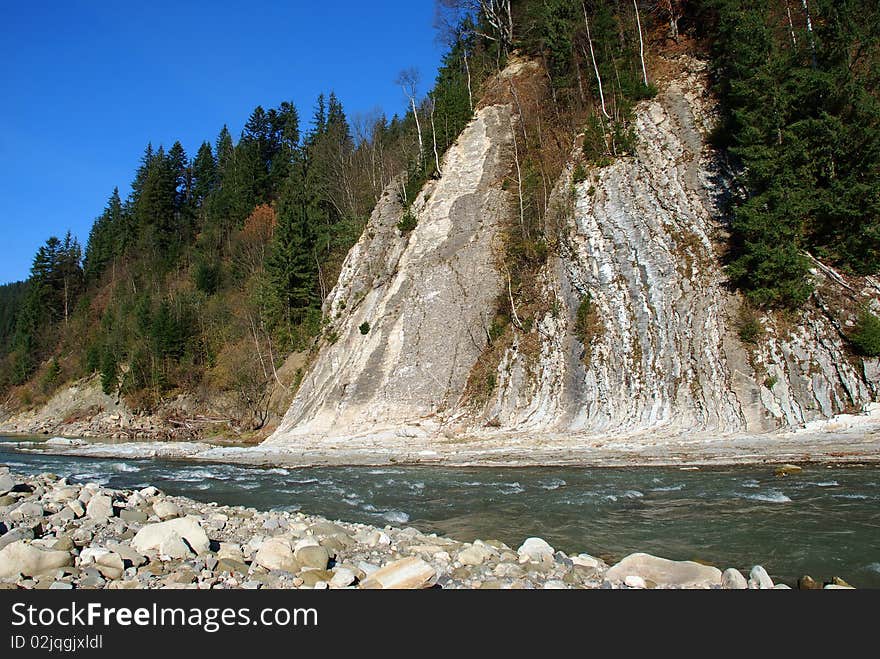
x=638 y=239
x=427 y=297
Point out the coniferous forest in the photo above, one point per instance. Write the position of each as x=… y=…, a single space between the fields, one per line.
x=213 y=269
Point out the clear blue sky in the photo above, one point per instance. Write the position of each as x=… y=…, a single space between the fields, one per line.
x=86 y=84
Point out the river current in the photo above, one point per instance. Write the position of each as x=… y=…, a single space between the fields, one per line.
x=824 y=521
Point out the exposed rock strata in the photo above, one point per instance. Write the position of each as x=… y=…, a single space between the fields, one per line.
x=640 y=238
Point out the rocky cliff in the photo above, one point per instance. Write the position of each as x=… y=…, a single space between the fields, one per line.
x=639 y=242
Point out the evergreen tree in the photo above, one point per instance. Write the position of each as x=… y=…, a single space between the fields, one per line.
x=204 y=174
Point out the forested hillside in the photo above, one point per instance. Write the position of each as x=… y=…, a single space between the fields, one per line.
x=214 y=268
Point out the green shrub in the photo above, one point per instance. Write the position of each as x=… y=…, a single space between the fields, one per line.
x=365 y=328
x=749 y=328
x=866 y=336
x=207 y=277
x=51 y=376
x=408 y=222
x=580 y=174
x=108 y=372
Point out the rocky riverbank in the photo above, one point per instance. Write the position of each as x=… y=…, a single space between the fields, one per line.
x=55 y=534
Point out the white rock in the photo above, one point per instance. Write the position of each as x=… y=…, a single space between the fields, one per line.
x=173 y=546
x=585 y=560
x=555 y=584
x=535 y=550
x=77 y=508
x=22 y=558
x=100 y=506
x=732 y=579
x=277 y=554
x=632 y=581
x=151 y=536
x=664 y=572
x=165 y=509
x=759 y=579
x=409 y=573
x=474 y=555
x=342 y=577
x=6 y=484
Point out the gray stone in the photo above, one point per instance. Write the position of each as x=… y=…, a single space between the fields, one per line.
x=474 y=555
x=664 y=572
x=732 y=579
x=6 y=483
x=16 y=534
x=77 y=508
x=313 y=557
x=100 y=507
x=133 y=515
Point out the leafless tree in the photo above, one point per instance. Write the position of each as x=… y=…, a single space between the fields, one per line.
x=641 y=42
x=432 y=106
x=408 y=80
x=810 y=32
x=595 y=66
x=790 y=25
x=497 y=14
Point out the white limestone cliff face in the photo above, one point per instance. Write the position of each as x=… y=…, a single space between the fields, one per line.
x=426 y=296
x=641 y=237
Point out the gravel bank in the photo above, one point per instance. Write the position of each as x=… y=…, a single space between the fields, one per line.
x=60 y=535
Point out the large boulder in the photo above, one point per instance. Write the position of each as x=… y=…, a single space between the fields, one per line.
x=276 y=554
x=100 y=506
x=663 y=572
x=535 y=550
x=152 y=536
x=23 y=558
x=6 y=483
x=407 y=574
x=732 y=579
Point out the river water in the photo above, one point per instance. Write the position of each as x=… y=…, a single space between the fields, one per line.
x=824 y=521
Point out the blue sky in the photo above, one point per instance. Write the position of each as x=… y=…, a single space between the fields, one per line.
x=86 y=84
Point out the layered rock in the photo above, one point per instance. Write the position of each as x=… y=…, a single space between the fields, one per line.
x=640 y=241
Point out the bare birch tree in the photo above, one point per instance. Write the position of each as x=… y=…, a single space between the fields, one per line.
x=595 y=66
x=408 y=80
x=641 y=43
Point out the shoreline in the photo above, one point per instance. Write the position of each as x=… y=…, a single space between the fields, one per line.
x=844 y=449
x=60 y=535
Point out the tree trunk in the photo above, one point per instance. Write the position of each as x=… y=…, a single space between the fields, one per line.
x=810 y=33
x=641 y=43
x=467 y=69
x=412 y=100
x=790 y=25
x=595 y=66
x=434 y=139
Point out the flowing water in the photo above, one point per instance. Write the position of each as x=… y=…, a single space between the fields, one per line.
x=824 y=521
